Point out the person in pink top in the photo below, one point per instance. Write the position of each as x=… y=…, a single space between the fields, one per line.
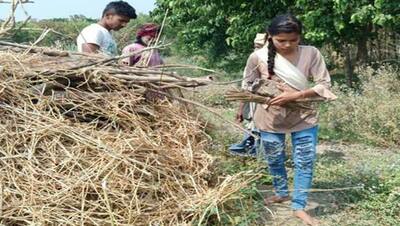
x=145 y=36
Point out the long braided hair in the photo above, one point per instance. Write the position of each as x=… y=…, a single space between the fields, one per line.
x=286 y=23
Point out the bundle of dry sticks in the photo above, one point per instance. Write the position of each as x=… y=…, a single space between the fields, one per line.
x=262 y=91
x=81 y=145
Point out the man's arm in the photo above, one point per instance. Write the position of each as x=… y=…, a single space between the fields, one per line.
x=90 y=48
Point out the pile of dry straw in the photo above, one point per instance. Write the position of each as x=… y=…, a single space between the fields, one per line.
x=80 y=145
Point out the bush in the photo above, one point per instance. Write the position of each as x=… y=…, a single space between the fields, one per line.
x=369 y=114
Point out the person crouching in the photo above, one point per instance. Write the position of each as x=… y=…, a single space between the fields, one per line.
x=145 y=37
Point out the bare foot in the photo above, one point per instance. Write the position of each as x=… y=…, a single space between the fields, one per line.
x=307 y=219
x=276 y=199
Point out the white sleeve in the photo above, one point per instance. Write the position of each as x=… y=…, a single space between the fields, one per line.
x=91 y=35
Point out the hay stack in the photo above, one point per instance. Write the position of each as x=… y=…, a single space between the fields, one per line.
x=81 y=146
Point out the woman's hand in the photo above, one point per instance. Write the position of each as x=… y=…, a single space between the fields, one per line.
x=239 y=114
x=287 y=95
x=239 y=117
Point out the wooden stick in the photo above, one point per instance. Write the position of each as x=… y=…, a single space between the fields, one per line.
x=36 y=49
x=105 y=61
x=185 y=66
x=208 y=109
x=319 y=189
x=158 y=37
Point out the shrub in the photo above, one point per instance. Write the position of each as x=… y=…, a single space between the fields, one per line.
x=369 y=114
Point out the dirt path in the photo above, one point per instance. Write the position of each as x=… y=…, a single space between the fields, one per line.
x=332 y=207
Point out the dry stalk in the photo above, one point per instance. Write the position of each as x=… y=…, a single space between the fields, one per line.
x=9 y=22
x=264 y=98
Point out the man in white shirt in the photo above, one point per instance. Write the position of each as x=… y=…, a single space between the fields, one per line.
x=97 y=38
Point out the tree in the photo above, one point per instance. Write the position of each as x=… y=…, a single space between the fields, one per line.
x=347 y=25
x=223 y=30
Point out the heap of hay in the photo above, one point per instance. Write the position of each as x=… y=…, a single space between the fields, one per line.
x=80 y=145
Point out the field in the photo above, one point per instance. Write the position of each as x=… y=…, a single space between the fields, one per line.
x=88 y=141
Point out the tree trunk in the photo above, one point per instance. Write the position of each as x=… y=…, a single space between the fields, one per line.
x=362 y=51
x=349 y=67
x=362 y=48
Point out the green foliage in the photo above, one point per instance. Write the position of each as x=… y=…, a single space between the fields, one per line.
x=223 y=31
x=339 y=22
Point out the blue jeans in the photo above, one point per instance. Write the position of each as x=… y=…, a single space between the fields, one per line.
x=304 y=144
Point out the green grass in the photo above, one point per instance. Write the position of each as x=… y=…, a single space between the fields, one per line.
x=375 y=171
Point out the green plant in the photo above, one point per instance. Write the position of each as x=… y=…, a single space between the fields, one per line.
x=223 y=31
x=369 y=114
x=374 y=175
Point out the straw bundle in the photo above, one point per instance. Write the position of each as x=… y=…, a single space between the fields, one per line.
x=262 y=91
x=82 y=146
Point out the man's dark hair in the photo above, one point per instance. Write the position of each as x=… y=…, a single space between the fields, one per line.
x=120 y=8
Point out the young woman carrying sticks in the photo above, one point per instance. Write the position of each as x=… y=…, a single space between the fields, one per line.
x=290 y=66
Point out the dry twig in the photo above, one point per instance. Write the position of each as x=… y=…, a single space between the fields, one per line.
x=9 y=22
